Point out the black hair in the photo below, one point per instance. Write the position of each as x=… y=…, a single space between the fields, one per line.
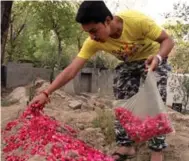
x=92 y=11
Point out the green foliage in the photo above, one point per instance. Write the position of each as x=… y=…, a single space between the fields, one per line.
x=103 y=60
x=179 y=60
x=49 y=36
x=55 y=16
x=17 y=25
x=178 y=27
x=7 y=102
x=181 y=12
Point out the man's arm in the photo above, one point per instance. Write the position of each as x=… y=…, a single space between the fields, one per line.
x=166 y=44
x=64 y=77
x=67 y=74
x=151 y=30
x=88 y=49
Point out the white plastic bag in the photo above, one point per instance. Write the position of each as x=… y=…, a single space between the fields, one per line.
x=144 y=115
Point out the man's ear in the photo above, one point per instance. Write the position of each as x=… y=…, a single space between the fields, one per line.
x=108 y=20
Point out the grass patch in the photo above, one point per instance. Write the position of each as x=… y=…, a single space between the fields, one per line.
x=105 y=121
x=7 y=102
x=31 y=90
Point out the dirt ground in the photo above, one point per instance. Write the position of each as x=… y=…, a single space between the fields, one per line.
x=81 y=112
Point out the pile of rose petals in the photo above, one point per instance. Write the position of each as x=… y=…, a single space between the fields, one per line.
x=35 y=133
x=143 y=129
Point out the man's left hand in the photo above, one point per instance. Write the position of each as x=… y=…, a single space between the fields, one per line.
x=151 y=63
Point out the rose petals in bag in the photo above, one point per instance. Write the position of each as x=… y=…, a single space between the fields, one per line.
x=142 y=130
x=144 y=115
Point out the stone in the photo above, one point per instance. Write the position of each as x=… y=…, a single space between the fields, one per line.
x=18 y=94
x=87 y=106
x=37 y=158
x=84 y=99
x=60 y=93
x=80 y=126
x=75 y=105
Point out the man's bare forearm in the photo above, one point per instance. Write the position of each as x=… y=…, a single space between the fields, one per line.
x=66 y=75
x=166 y=44
x=166 y=47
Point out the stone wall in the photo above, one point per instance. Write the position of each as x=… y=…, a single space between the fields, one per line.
x=18 y=74
x=87 y=80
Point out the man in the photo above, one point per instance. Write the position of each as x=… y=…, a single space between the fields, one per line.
x=136 y=40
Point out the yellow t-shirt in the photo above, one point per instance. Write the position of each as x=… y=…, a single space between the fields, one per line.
x=135 y=43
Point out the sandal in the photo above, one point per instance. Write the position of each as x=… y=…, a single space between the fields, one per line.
x=122 y=157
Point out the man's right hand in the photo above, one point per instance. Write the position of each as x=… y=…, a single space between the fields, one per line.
x=41 y=99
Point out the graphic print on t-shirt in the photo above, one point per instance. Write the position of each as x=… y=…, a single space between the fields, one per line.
x=127 y=50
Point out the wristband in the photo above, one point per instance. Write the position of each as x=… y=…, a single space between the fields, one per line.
x=45 y=93
x=159 y=58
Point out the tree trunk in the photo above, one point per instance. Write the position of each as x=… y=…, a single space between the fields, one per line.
x=186 y=103
x=59 y=52
x=5 y=20
x=11 y=43
x=57 y=32
x=59 y=47
x=78 y=43
x=52 y=76
x=13 y=37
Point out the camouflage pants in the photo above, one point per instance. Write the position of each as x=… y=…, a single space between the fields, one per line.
x=126 y=84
